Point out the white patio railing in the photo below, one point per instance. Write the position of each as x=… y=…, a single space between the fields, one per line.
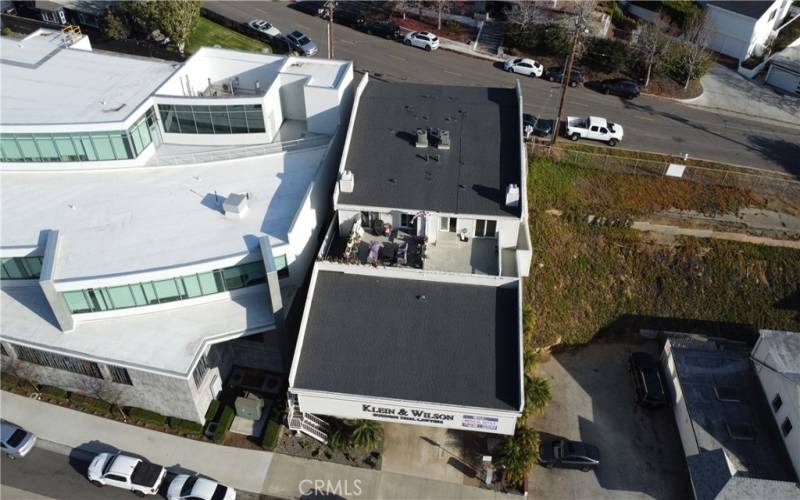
x=238 y=152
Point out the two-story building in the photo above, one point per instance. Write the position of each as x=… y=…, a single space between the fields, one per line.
x=414 y=307
x=159 y=218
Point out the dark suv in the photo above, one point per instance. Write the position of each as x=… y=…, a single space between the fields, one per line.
x=646 y=380
x=349 y=17
x=555 y=74
x=623 y=87
x=385 y=29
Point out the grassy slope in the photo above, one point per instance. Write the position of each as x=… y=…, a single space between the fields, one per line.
x=208 y=33
x=587 y=279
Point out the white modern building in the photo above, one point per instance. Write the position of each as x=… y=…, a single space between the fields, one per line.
x=159 y=218
x=744 y=28
x=414 y=307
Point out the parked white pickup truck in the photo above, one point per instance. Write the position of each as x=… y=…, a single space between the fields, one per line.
x=594 y=127
x=129 y=473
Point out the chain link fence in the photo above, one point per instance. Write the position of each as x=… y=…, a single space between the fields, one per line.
x=771 y=184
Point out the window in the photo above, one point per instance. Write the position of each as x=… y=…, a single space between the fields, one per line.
x=406 y=220
x=367 y=218
x=21 y=268
x=447 y=224
x=58 y=361
x=120 y=375
x=282 y=266
x=114 y=477
x=485 y=228
x=168 y=290
x=239 y=119
x=777 y=402
x=200 y=370
x=786 y=427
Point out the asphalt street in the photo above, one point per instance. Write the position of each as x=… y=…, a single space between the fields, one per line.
x=650 y=123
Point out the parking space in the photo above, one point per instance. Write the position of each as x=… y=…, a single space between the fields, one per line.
x=593 y=401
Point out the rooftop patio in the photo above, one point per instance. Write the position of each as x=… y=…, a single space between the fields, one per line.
x=450 y=254
x=399 y=248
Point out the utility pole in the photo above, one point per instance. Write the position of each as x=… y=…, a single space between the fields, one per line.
x=330 y=6
x=566 y=77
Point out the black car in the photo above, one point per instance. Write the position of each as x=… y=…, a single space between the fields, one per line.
x=568 y=454
x=623 y=87
x=541 y=127
x=311 y=7
x=646 y=380
x=349 y=17
x=555 y=74
x=385 y=29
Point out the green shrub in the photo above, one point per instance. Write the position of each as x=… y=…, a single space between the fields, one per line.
x=272 y=434
x=88 y=403
x=606 y=55
x=147 y=416
x=185 y=426
x=52 y=392
x=225 y=421
x=212 y=410
x=8 y=381
x=551 y=39
x=452 y=25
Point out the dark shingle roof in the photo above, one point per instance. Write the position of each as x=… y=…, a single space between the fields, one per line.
x=470 y=178
x=754 y=9
x=374 y=336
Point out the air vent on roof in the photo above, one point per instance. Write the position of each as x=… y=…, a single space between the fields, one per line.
x=235 y=205
x=422 y=138
x=512 y=195
x=347 y=182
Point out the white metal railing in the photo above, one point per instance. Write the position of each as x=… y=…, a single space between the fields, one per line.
x=239 y=152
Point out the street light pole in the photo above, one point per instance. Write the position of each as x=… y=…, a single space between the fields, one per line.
x=330 y=6
x=566 y=77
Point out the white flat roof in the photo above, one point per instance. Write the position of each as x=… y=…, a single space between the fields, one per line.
x=43 y=83
x=135 y=340
x=123 y=221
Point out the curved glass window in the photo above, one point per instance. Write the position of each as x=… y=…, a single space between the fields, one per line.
x=21 y=268
x=162 y=291
x=240 y=119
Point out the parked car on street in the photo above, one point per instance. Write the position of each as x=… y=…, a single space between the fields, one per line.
x=264 y=27
x=301 y=43
x=556 y=74
x=186 y=487
x=385 y=29
x=540 y=126
x=567 y=454
x=126 y=472
x=527 y=67
x=646 y=380
x=623 y=87
x=422 y=39
x=312 y=7
x=595 y=128
x=14 y=440
x=349 y=17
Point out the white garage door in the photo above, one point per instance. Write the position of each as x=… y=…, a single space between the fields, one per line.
x=784 y=80
x=728 y=45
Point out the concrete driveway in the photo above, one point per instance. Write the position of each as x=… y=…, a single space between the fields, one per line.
x=593 y=401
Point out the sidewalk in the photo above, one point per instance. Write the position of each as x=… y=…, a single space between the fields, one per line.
x=249 y=470
x=461 y=48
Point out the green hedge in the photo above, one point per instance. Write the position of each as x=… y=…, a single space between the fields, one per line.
x=271 y=435
x=90 y=403
x=185 y=426
x=147 y=416
x=8 y=381
x=212 y=410
x=225 y=421
x=52 y=392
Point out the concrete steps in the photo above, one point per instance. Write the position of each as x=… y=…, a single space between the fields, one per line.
x=491 y=37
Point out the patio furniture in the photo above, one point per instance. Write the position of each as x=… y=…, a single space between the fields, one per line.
x=402 y=254
x=377 y=227
x=389 y=251
x=374 y=252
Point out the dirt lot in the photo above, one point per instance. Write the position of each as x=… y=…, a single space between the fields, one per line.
x=593 y=401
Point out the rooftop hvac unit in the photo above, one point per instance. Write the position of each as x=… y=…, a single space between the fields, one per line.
x=422 y=138
x=235 y=205
x=444 y=139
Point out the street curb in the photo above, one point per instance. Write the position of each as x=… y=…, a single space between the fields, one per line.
x=483 y=57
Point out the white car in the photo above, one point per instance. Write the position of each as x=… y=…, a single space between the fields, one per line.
x=186 y=487
x=595 y=128
x=126 y=472
x=15 y=441
x=264 y=27
x=422 y=39
x=527 y=67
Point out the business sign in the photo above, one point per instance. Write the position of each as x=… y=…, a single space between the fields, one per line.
x=481 y=423
x=407 y=414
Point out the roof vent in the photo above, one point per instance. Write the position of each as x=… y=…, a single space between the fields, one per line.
x=235 y=205
x=347 y=182
x=512 y=195
x=422 y=138
x=444 y=139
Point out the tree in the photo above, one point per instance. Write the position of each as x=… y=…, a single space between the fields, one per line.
x=442 y=6
x=366 y=434
x=175 y=19
x=653 y=43
x=115 y=26
x=607 y=55
x=400 y=6
x=522 y=16
x=339 y=437
x=517 y=454
x=693 y=55
x=537 y=395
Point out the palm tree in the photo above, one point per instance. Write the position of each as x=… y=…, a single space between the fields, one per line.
x=340 y=436
x=516 y=454
x=537 y=395
x=366 y=434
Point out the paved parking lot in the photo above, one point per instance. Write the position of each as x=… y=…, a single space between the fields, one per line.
x=593 y=401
